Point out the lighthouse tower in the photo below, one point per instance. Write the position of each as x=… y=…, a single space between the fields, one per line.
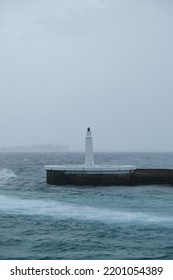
x=89 y=158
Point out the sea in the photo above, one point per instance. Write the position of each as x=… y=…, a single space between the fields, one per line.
x=43 y=222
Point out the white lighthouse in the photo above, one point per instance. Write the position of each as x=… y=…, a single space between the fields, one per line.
x=89 y=173
x=89 y=158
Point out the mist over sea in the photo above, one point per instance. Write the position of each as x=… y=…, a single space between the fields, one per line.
x=38 y=221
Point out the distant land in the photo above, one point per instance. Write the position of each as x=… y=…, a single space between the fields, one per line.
x=48 y=148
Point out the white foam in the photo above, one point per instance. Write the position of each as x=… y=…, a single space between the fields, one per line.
x=6 y=174
x=57 y=209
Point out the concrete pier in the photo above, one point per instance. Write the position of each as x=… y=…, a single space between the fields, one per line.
x=110 y=178
x=86 y=175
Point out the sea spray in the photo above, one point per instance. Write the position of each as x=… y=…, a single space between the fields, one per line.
x=5 y=175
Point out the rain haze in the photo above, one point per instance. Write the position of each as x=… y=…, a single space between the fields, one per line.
x=69 y=64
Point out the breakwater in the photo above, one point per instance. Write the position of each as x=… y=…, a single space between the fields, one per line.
x=139 y=176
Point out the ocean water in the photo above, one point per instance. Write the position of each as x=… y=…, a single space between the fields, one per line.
x=38 y=221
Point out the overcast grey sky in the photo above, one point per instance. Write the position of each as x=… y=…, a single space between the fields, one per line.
x=69 y=64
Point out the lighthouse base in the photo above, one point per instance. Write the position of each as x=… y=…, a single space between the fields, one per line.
x=94 y=175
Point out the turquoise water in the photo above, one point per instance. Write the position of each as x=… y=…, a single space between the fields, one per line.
x=38 y=221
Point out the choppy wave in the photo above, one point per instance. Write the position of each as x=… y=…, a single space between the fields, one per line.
x=5 y=175
x=62 y=210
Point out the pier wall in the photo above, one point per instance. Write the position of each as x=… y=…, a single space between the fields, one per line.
x=152 y=176
x=55 y=177
x=133 y=178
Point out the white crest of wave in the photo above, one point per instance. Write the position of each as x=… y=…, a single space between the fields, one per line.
x=60 y=210
x=6 y=174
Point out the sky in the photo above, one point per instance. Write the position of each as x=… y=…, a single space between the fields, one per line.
x=66 y=65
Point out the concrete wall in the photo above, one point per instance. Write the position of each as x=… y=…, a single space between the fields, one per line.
x=138 y=177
